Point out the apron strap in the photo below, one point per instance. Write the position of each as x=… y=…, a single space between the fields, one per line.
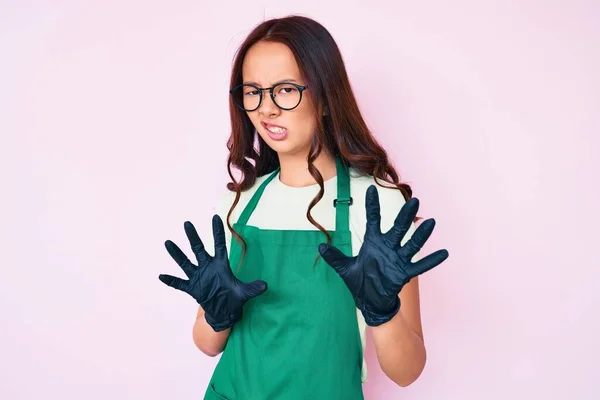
x=243 y=219
x=341 y=203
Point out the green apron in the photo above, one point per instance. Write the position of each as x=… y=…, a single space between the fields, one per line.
x=300 y=339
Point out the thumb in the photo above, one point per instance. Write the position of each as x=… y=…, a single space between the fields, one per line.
x=254 y=289
x=334 y=257
x=174 y=282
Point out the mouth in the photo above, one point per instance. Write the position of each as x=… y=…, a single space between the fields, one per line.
x=275 y=132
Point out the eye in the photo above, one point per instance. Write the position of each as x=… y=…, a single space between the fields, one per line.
x=286 y=89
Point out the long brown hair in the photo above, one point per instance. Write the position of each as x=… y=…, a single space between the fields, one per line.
x=342 y=131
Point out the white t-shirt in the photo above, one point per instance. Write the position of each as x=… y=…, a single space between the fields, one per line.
x=284 y=207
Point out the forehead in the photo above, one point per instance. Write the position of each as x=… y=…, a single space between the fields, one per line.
x=266 y=63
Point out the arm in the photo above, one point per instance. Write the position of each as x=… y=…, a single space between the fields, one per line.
x=399 y=342
x=206 y=339
x=383 y=280
x=213 y=285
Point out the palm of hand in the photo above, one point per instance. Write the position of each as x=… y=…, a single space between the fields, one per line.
x=212 y=283
x=382 y=267
x=378 y=261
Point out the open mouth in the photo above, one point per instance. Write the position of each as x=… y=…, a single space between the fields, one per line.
x=276 y=132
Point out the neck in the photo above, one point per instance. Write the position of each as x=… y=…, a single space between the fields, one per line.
x=294 y=169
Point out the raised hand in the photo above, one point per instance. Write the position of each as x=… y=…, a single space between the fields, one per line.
x=212 y=283
x=382 y=267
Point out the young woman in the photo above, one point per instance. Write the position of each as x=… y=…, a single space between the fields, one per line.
x=322 y=248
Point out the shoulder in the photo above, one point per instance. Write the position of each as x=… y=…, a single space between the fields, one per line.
x=389 y=196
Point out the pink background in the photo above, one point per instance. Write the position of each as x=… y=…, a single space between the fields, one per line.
x=114 y=117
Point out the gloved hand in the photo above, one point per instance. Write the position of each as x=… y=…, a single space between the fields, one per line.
x=382 y=267
x=212 y=283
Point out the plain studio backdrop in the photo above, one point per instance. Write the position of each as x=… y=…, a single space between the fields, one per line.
x=114 y=117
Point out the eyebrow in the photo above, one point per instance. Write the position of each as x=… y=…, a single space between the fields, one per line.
x=280 y=81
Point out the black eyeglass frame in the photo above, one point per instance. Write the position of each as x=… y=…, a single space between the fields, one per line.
x=301 y=88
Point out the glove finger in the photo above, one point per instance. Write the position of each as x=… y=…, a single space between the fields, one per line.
x=174 y=282
x=334 y=257
x=427 y=263
x=418 y=239
x=373 y=212
x=403 y=220
x=200 y=252
x=219 y=236
x=180 y=258
x=253 y=289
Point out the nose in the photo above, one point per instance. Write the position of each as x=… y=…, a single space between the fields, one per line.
x=267 y=106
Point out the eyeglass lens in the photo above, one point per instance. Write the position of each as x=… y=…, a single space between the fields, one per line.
x=286 y=96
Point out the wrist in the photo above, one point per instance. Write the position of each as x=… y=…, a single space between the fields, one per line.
x=223 y=322
x=377 y=317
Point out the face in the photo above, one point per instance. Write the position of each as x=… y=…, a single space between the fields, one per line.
x=265 y=65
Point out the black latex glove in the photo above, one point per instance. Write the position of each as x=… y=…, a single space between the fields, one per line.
x=212 y=283
x=382 y=267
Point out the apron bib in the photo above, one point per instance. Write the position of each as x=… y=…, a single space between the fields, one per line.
x=300 y=339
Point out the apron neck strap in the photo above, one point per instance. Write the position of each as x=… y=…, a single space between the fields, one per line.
x=243 y=219
x=341 y=203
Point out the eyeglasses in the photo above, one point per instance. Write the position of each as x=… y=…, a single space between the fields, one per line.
x=286 y=96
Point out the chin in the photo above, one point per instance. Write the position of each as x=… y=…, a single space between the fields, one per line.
x=283 y=147
x=283 y=150
x=287 y=146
